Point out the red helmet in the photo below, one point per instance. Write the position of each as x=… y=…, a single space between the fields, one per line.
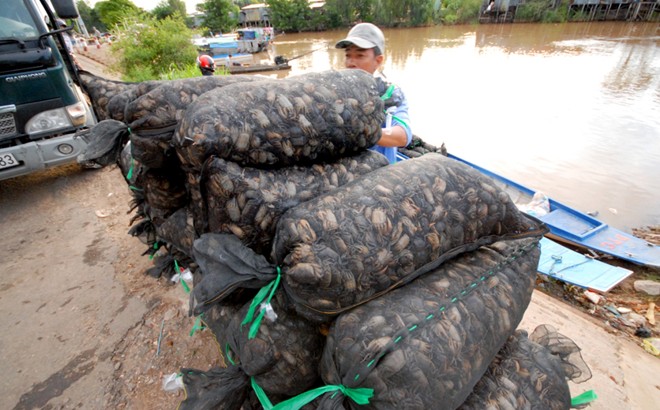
x=206 y=62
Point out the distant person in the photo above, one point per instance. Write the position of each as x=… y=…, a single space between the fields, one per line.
x=206 y=64
x=491 y=7
x=365 y=48
x=96 y=31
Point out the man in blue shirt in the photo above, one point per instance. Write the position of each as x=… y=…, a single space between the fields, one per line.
x=364 y=49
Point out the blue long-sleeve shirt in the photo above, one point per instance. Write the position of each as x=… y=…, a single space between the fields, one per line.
x=399 y=117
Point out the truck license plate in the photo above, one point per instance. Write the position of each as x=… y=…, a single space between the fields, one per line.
x=7 y=161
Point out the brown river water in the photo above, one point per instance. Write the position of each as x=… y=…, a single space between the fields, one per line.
x=570 y=109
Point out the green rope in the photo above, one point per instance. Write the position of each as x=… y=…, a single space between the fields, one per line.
x=359 y=395
x=266 y=293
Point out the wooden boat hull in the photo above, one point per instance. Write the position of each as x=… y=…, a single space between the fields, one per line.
x=579 y=229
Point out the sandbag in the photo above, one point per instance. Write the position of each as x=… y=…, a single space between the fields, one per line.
x=375 y=234
x=430 y=341
x=248 y=202
x=311 y=118
x=526 y=374
x=279 y=352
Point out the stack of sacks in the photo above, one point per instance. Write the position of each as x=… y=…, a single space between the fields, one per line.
x=330 y=279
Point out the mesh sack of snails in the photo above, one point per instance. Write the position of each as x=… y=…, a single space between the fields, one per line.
x=248 y=202
x=310 y=118
x=278 y=351
x=178 y=230
x=370 y=236
x=101 y=91
x=432 y=340
x=530 y=372
x=153 y=116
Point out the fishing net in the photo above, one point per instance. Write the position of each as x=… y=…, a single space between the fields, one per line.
x=431 y=341
x=528 y=374
x=375 y=234
x=164 y=192
x=248 y=202
x=311 y=118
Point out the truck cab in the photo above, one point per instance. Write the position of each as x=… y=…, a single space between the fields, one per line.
x=42 y=109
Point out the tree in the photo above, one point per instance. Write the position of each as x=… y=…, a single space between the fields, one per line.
x=219 y=15
x=289 y=15
x=89 y=16
x=149 y=48
x=168 y=8
x=111 y=12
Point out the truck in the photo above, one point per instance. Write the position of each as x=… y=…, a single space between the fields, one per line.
x=44 y=112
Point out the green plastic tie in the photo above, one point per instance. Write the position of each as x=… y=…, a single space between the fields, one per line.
x=197 y=326
x=228 y=354
x=360 y=395
x=584 y=398
x=388 y=93
x=129 y=175
x=178 y=270
x=266 y=293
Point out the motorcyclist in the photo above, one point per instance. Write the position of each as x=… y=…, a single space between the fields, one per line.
x=206 y=64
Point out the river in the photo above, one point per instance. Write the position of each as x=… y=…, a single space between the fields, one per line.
x=570 y=109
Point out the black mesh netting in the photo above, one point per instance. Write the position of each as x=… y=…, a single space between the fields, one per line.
x=101 y=91
x=528 y=374
x=153 y=116
x=374 y=234
x=280 y=353
x=431 y=341
x=178 y=230
x=248 y=202
x=419 y=147
x=564 y=348
x=105 y=141
x=315 y=117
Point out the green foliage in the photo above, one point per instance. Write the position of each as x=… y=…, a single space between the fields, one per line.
x=168 y=8
x=219 y=15
x=460 y=11
x=175 y=72
x=385 y=13
x=540 y=10
x=89 y=16
x=289 y=15
x=111 y=12
x=151 y=48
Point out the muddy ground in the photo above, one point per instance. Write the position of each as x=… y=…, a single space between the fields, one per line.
x=82 y=322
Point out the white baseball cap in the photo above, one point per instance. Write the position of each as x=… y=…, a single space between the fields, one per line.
x=364 y=35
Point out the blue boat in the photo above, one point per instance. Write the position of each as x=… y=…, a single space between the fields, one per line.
x=577 y=228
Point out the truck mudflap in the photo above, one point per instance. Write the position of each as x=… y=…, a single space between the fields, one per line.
x=33 y=156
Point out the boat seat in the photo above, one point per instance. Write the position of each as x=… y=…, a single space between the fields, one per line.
x=572 y=224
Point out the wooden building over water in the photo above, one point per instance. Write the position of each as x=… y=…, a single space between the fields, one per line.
x=504 y=11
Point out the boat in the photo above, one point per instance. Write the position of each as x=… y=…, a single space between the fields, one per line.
x=573 y=227
x=257 y=68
